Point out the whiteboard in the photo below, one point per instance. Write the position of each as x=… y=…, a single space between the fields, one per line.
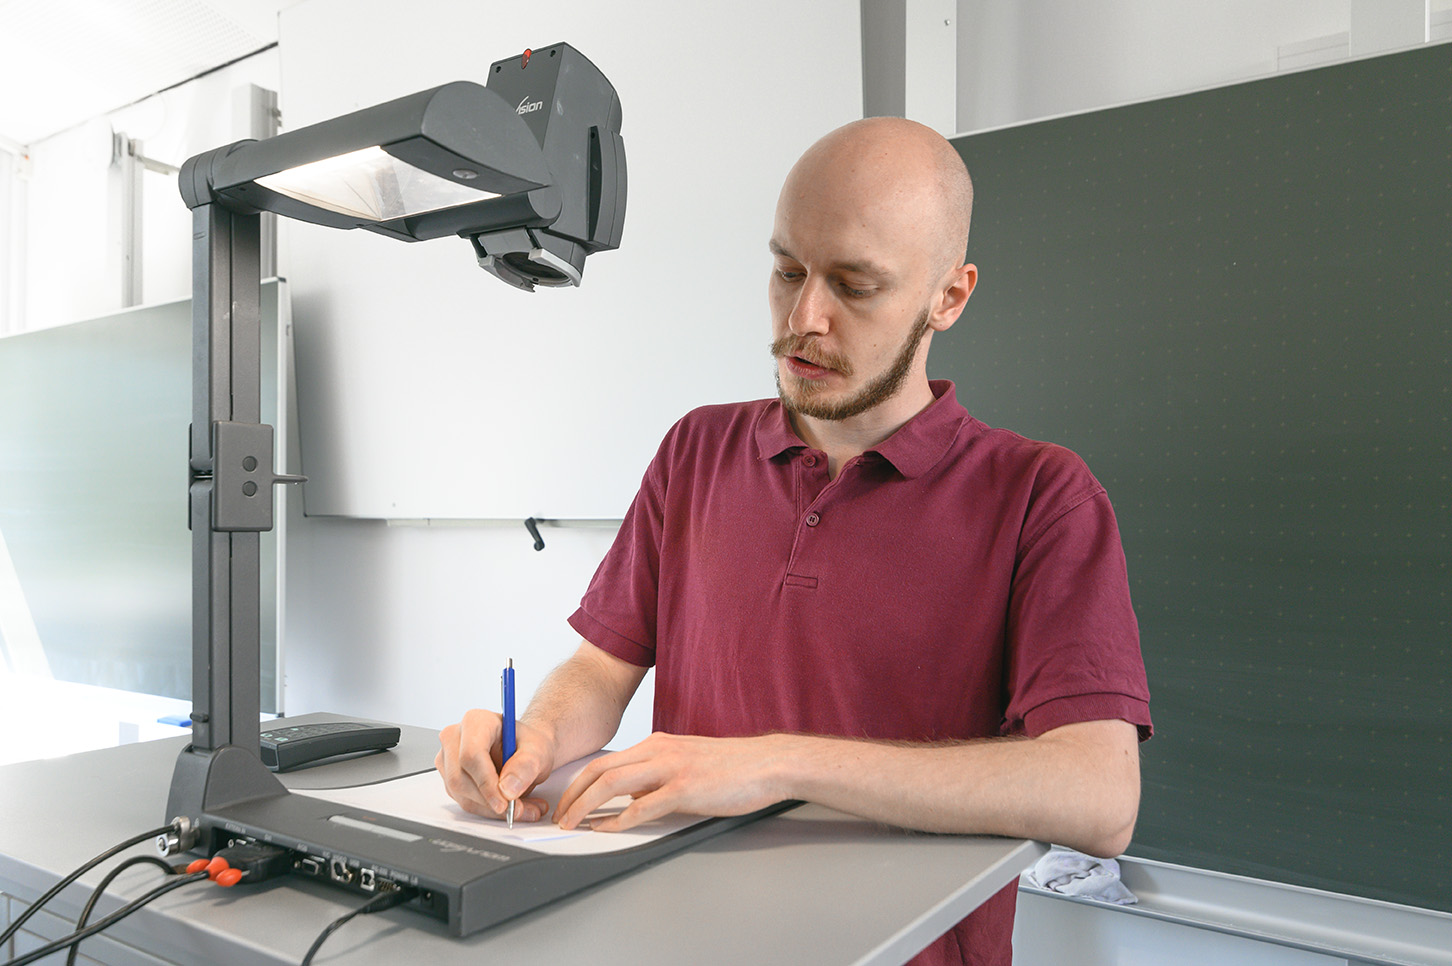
x=427 y=388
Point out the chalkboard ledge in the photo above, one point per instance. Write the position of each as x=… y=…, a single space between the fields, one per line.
x=1366 y=931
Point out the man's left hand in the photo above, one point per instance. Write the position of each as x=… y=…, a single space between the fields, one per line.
x=677 y=773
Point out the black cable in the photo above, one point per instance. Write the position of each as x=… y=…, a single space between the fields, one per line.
x=377 y=904
x=102 y=924
x=110 y=877
x=55 y=890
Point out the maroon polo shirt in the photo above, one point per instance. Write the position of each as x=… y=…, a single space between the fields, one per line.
x=955 y=581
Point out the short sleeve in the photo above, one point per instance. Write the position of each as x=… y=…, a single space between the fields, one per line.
x=618 y=611
x=1072 y=640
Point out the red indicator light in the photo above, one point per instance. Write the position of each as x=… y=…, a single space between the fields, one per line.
x=524 y=62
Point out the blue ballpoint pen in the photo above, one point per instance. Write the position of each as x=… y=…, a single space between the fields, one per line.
x=508 y=686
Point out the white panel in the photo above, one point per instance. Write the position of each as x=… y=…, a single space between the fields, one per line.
x=68 y=263
x=19 y=640
x=1040 y=58
x=429 y=389
x=1313 y=53
x=68 y=189
x=66 y=61
x=12 y=236
x=1380 y=25
x=930 y=78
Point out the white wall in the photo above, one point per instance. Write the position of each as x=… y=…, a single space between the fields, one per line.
x=413 y=623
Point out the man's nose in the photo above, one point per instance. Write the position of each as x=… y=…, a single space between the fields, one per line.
x=811 y=313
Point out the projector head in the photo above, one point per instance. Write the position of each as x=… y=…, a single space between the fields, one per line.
x=574 y=113
x=525 y=258
x=530 y=168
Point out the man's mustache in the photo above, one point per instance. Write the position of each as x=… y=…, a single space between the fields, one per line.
x=807 y=347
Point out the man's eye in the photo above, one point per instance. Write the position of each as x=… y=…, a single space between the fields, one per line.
x=788 y=276
x=856 y=293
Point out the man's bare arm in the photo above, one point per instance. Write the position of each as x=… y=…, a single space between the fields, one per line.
x=580 y=703
x=1077 y=785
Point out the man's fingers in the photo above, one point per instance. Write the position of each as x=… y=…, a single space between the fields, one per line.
x=521 y=773
x=516 y=783
x=530 y=809
x=530 y=764
x=587 y=776
x=594 y=769
x=629 y=778
x=462 y=789
x=467 y=766
x=479 y=732
x=646 y=807
x=472 y=799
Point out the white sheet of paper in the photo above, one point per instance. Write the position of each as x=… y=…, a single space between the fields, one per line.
x=421 y=798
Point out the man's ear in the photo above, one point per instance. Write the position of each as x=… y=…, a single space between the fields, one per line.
x=953 y=294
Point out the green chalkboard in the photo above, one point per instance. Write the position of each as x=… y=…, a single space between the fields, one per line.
x=1237 y=306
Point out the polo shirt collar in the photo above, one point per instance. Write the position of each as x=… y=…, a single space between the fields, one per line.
x=912 y=450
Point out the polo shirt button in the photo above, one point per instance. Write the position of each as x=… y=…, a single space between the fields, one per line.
x=810 y=460
x=813 y=519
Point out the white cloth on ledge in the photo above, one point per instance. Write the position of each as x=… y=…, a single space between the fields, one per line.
x=1076 y=874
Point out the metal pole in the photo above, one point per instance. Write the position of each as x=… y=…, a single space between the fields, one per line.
x=226 y=392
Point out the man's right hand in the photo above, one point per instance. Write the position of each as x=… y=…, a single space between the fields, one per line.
x=468 y=760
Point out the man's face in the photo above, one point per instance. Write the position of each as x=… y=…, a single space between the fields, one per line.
x=849 y=298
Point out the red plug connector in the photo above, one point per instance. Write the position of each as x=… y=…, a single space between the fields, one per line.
x=255 y=863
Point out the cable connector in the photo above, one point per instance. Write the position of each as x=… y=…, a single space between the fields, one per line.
x=245 y=863
x=180 y=836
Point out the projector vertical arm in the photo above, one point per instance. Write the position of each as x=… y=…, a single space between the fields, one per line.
x=226 y=564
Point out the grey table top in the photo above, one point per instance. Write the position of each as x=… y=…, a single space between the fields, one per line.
x=807 y=886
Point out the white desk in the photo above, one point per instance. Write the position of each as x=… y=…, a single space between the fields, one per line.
x=808 y=886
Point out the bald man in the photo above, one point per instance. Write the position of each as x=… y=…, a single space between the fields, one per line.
x=855 y=594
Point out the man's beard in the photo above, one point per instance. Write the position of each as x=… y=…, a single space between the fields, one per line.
x=803 y=400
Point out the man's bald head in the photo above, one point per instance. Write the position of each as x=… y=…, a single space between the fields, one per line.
x=868 y=251
x=895 y=164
